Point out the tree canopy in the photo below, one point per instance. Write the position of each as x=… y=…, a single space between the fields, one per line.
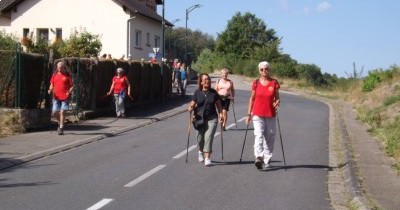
x=244 y=34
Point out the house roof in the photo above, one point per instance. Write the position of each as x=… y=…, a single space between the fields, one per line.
x=141 y=9
x=135 y=7
x=6 y=5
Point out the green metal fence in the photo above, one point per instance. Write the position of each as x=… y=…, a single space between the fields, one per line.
x=23 y=79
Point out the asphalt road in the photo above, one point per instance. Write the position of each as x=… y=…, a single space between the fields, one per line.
x=145 y=168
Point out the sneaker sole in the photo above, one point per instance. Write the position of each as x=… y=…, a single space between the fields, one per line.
x=258 y=165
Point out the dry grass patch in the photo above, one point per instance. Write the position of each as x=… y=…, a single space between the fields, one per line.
x=10 y=123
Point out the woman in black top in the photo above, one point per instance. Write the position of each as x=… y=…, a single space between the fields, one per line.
x=205 y=99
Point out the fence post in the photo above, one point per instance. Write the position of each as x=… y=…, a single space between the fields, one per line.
x=17 y=103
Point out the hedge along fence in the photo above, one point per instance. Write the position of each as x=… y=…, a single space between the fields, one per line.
x=32 y=69
x=93 y=78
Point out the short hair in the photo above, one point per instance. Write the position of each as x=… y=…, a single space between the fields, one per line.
x=120 y=70
x=263 y=64
x=60 y=64
x=225 y=70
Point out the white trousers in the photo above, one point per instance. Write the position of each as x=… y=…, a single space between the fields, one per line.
x=264 y=132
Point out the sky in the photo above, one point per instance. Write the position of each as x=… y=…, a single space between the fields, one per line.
x=331 y=34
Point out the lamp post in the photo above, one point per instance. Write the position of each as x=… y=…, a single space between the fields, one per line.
x=169 y=38
x=188 y=10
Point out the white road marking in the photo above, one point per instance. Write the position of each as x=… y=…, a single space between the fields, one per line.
x=183 y=153
x=243 y=118
x=144 y=176
x=100 y=204
x=230 y=126
x=290 y=93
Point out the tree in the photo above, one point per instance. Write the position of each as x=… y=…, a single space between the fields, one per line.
x=196 y=43
x=81 y=44
x=244 y=34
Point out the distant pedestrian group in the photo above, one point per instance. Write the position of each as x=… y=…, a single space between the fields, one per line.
x=180 y=75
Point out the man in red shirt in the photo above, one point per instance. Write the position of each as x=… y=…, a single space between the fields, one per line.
x=61 y=86
x=263 y=102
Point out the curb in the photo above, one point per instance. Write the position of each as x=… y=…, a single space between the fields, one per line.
x=350 y=168
x=37 y=155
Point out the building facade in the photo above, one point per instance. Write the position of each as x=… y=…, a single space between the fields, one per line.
x=127 y=28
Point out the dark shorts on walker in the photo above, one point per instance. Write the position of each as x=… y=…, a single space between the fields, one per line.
x=225 y=102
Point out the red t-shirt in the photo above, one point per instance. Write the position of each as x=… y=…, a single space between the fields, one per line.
x=264 y=98
x=119 y=84
x=61 y=84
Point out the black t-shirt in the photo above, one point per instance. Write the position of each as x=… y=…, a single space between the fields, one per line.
x=210 y=111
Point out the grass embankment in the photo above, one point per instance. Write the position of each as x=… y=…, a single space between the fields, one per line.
x=377 y=101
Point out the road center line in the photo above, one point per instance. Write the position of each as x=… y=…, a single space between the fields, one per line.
x=100 y=204
x=144 y=176
x=179 y=155
x=183 y=153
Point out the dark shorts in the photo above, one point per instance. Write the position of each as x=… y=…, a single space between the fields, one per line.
x=225 y=102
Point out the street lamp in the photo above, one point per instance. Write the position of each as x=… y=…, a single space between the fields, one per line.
x=188 y=10
x=169 y=38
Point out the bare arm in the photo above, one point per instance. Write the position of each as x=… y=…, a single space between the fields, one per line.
x=250 y=106
x=219 y=108
x=111 y=89
x=192 y=105
x=277 y=100
x=129 y=86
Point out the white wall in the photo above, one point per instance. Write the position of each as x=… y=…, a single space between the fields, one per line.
x=146 y=26
x=101 y=17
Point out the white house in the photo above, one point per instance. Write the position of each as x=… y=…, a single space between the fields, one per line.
x=130 y=28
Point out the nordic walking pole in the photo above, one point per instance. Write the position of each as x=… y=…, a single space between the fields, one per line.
x=234 y=115
x=244 y=141
x=222 y=142
x=189 y=126
x=280 y=136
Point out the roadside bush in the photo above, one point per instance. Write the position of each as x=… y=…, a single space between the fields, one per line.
x=7 y=41
x=371 y=81
x=81 y=44
x=205 y=61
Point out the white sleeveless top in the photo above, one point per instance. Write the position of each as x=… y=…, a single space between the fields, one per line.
x=224 y=87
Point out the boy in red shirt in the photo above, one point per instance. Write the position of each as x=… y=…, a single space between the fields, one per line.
x=61 y=86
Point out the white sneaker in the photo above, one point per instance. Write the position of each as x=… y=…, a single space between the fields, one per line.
x=207 y=162
x=201 y=157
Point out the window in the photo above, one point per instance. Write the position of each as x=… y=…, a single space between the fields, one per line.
x=157 y=41
x=25 y=32
x=138 y=38
x=148 y=39
x=43 y=34
x=58 y=33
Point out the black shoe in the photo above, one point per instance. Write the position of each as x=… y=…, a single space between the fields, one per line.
x=258 y=163
x=60 y=131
